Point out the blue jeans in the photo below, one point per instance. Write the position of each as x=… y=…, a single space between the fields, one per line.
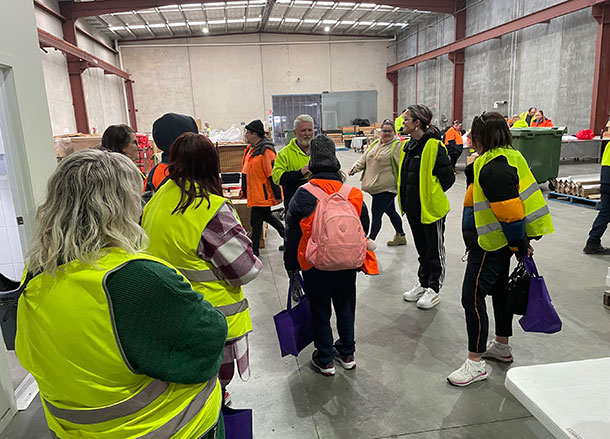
x=384 y=203
x=601 y=222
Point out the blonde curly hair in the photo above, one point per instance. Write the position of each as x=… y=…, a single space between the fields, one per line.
x=93 y=202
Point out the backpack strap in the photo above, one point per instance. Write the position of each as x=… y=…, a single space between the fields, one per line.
x=345 y=190
x=315 y=190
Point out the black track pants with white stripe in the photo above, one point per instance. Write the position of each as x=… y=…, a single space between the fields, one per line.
x=429 y=241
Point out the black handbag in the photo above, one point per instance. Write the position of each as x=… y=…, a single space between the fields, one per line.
x=10 y=290
x=518 y=288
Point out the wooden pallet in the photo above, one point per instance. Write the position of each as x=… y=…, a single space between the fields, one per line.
x=573 y=199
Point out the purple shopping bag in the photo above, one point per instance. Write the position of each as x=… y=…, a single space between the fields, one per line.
x=294 y=325
x=540 y=315
x=238 y=423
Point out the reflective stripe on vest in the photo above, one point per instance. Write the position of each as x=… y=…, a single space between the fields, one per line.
x=175 y=238
x=537 y=217
x=94 y=392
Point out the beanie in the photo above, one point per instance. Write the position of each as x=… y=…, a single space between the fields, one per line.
x=169 y=127
x=323 y=155
x=256 y=126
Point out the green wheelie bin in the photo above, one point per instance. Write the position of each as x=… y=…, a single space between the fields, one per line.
x=541 y=147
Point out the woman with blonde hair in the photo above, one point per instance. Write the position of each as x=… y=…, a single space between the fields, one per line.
x=117 y=340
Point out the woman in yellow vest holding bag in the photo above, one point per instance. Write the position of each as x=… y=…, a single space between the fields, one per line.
x=194 y=228
x=119 y=343
x=424 y=174
x=503 y=210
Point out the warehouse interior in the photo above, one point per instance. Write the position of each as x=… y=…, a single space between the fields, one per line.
x=70 y=69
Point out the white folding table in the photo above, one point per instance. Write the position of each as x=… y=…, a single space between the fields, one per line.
x=572 y=400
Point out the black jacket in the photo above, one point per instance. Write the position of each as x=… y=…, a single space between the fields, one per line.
x=409 y=182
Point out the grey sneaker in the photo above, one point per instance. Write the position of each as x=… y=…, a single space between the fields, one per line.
x=470 y=372
x=498 y=351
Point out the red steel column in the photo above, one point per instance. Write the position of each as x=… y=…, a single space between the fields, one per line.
x=131 y=105
x=457 y=58
x=600 y=105
x=75 y=70
x=393 y=78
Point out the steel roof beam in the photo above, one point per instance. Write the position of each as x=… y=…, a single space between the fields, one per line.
x=266 y=14
x=88 y=9
x=558 y=10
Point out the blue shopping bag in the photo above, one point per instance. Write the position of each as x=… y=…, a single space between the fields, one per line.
x=238 y=423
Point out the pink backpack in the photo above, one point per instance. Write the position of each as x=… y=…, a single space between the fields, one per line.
x=337 y=239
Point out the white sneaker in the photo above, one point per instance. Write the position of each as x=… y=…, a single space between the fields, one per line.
x=429 y=299
x=414 y=293
x=470 y=372
x=498 y=351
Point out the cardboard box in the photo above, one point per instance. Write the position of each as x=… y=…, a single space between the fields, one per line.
x=230 y=157
x=366 y=130
x=69 y=143
x=349 y=129
x=199 y=125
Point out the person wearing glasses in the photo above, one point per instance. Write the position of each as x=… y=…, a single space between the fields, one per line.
x=122 y=139
x=424 y=174
x=379 y=167
x=503 y=210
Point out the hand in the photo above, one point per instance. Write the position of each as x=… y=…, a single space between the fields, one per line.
x=530 y=250
x=351 y=172
x=296 y=290
x=305 y=170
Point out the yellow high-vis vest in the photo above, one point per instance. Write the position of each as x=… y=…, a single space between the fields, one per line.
x=537 y=217
x=175 y=238
x=434 y=202
x=67 y=339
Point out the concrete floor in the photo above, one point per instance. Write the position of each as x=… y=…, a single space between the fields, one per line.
x=399 y=389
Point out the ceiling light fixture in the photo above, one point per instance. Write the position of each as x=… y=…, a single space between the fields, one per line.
x=206 y=30
x=327 y=29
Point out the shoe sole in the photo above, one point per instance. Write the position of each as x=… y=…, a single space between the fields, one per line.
x=430 y=306
x=498 y=358
x=480 y=377
x=396 y=245
x=346 y=366
x=412 y=300
x=325 y=372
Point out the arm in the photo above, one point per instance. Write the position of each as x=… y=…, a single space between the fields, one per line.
x=166 y=330
x=443 y=170
x=293 y=232
x=225 y=245
x=360 y=164
x=268 y=170
x=364 y=218
x=500 y=184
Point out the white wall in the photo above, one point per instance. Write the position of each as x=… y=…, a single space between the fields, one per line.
x=227 y=85
x=26 y=134
x=103 y=93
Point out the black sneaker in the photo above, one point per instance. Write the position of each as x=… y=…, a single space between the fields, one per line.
x=348 y=362
x=596 y=250
x=281 y=248
x=326 y=370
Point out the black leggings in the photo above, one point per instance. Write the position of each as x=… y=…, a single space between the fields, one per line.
x=258 y=215
x=384 y=203
x=486 y=274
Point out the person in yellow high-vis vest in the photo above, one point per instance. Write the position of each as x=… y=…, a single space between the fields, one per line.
x=190 y=225
x=424 y=174
x=594 y=242
x=119 y=343
x=503 y=210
